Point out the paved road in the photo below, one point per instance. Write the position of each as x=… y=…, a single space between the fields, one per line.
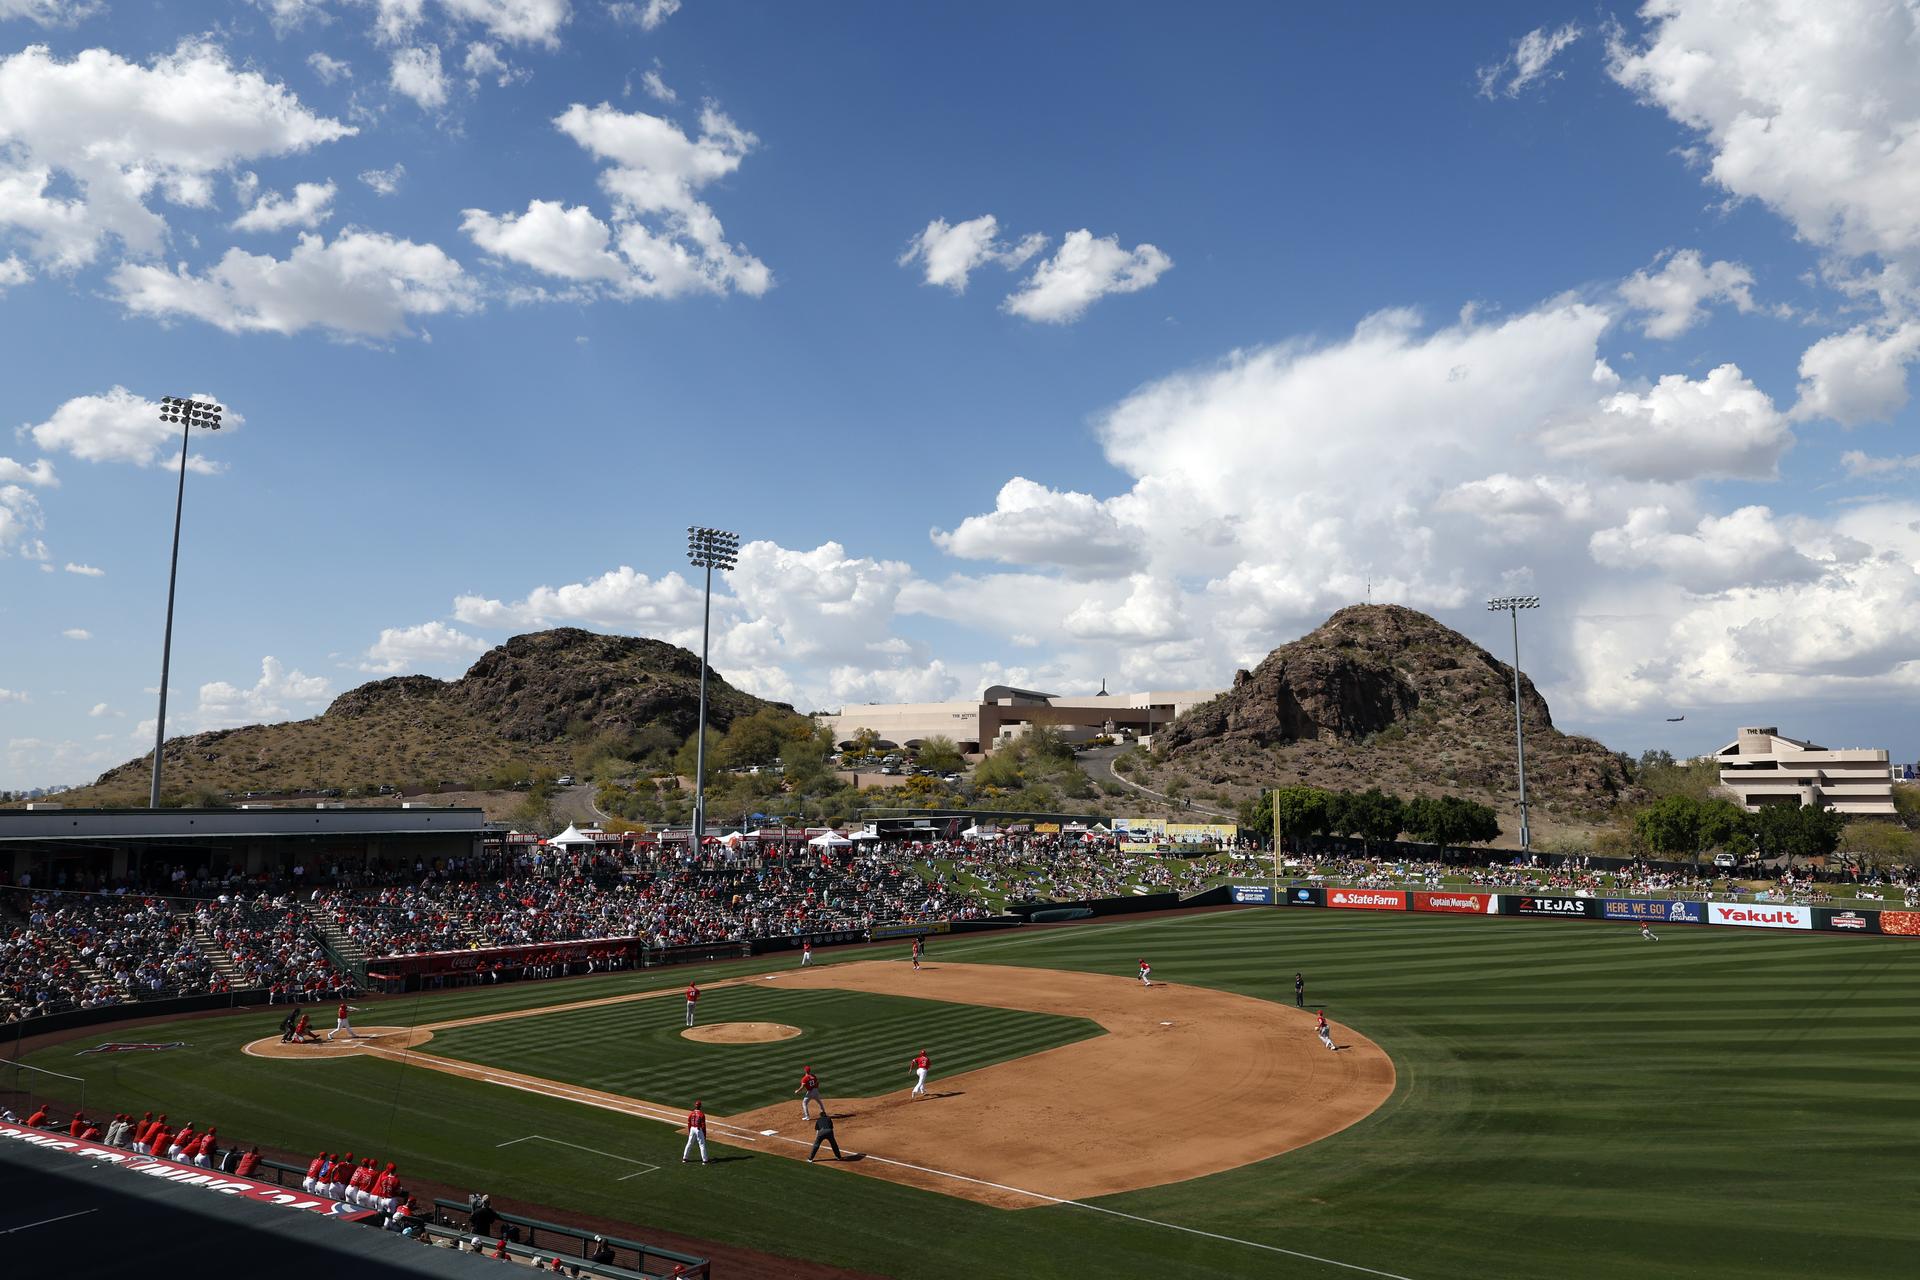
x=1097 y=763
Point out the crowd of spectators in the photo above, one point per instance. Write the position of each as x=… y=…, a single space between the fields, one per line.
x=272 y=943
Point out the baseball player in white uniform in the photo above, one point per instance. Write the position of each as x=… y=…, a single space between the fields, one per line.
x=920 y=1065
x=1322 y=1030
x=340 y=1022
x=806 y=953
x=809 y=1092
x=1146 y=973
x=696 y=1132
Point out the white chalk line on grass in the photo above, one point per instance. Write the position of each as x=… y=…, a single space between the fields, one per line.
x=561 y=1142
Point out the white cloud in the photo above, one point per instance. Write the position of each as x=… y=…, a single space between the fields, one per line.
x=514 y=21
x=13 y=272
x=1520 y=507
x=646 y=14
x=1858 y=376
x=1082 y=271
x=1674 y=298
x=1745 y=548
x=49 y=13
x=1532 y=57
x=661 y=241
x=290 y=15
x=274 y=695
x=429 y=644
x=330 y=70
x=308 y=206
x=363 y=284
x=1859 y=464
x=39 y=474
x=123 y=134
x=657 y=89
x=1034 y=525
x=949 y=253
x=77 y=633
x=14 y=695
x=385 y=182
x=620 y=598
x=417 y=74
x=123 y=427
x=1811 y=108
x=1719 y=426
x=20 y=519
x=101 y=709
x=85 y=570
x=483 y=61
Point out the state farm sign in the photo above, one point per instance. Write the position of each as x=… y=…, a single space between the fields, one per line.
x=1465 y=903
x=1760 y=915
x=1368 y=899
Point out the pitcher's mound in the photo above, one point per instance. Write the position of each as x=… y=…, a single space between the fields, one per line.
x=365 y=1039
x=741 y=1032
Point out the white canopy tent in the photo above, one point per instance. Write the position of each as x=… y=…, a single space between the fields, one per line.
x=978 y=832
x=829 y=840
x=571 y=838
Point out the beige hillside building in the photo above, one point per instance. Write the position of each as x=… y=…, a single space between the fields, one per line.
x=1002 y=713
x=1761 y=768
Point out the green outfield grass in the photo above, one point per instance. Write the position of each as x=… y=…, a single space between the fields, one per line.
x=858 y=1044
x=1571 y=1102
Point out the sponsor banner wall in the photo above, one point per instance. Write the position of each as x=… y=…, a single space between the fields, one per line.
x=1839 y=921
x=1653 y=910
x=184 y=1175
x=1462 y=903
x=1760 y=915
x=1253 y=895
x=1368 y=899
x=1903 y=924
x=1202 y=832
x=1306 y=895
x=1566 y=908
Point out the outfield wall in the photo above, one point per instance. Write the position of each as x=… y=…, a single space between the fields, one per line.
x=1647 y=911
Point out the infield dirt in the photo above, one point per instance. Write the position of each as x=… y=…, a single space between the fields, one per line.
x=1186 y=1082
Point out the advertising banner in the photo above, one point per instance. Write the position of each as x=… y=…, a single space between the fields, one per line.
x=1653 y=910
x=1306 y=895
x=1253 y=895
x=1901 y=924
x=1760 y=915
x=1462 y=903
x=184 y=1175
x=1520 y=904
x=1368 y=899
x=1140 y=830
x=1846 y=921
x=1212 y=833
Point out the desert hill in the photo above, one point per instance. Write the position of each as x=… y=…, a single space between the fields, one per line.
x=528 y=703
x=1383 y=695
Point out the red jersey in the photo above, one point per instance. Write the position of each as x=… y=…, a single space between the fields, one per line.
x=1322 y=1022
x=319 y=1163
x=75 y=1126
x=205 y=1146
x=920 y=1063
x=1145 y=967
x=809 y=1081
x=157 y=1140
x=342 y=1015
x=184 y=1137
x=386 y=1186
x=696 y=1120
x=247 y=1163
x=693 y=993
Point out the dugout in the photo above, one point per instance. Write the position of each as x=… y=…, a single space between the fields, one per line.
x=45 y=849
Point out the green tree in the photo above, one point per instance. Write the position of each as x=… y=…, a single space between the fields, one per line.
x=939 y=754
x=1792 y=832
x=1880 y=843
x=864 y=743
x=1670 y=826
x=757 y=739
x=686 y=760
x=1375 y=816
x=1906 y=803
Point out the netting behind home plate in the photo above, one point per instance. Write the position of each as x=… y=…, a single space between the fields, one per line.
x=24 y=1088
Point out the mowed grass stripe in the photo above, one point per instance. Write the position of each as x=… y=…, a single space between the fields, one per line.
x=858 y=1043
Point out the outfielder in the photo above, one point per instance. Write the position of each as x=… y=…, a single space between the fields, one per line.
x=693 y=998
x=809 y=1092
x=920 y=1065
x=1146 y=971
x=696 y=1131
x=340 y=1022
x=1646 y=931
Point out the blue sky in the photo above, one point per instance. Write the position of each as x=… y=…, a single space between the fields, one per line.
x=1275 y=302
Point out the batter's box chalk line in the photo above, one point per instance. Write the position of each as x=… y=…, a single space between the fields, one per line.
x=558 y=1142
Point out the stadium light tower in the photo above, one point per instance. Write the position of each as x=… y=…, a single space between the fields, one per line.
x=709 y=549
x=1513 y=605
x=188 y=413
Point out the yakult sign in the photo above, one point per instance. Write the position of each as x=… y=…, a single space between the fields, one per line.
x=1760 y=915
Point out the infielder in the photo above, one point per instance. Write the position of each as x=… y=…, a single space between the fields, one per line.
x=809 y=1092
x=693 y=998
x=1146 y=971
x=920 y=1065
x=806 y=953
x=696 y=1131
x=1322 y=1030
x=340 y=1022
x=916 y=955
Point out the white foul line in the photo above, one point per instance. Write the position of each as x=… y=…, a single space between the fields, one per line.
x=48 y=1221
x=559 y=1142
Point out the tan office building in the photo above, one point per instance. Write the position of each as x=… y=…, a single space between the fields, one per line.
x=1002 y=712
x=1761 y=768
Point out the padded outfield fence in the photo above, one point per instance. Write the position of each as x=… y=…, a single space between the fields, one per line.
x=1563 y=906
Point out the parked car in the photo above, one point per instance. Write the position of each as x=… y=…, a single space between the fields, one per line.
x=564 y=780
x=1725 y=860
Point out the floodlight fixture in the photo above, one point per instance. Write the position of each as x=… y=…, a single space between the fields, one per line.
x=186 y=412
x=1511 y=606
x=708 y=549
